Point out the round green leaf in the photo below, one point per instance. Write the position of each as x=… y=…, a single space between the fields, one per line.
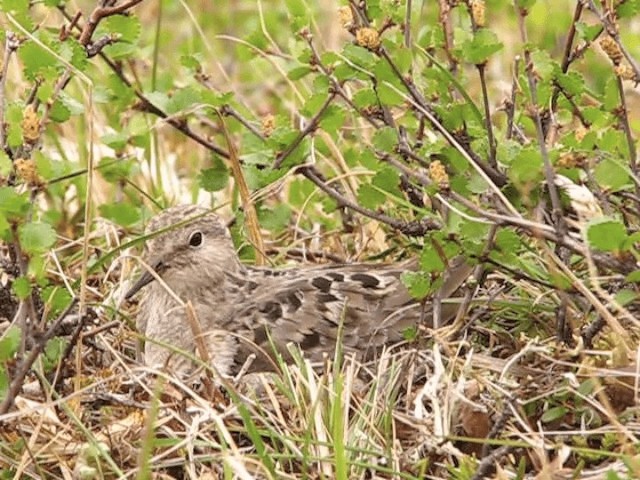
x=606 y=234
x=36 y=237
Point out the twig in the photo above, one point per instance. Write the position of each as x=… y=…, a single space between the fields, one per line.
x=623 y=116
x=408 y=228
x=613 y=31
x=98 y=14
x=511 y=105
x=145 y=103
x=245 y=196
x=27 y=362
x=28 y=312
x=311 y=126
x=11 y=44
x=488 y=464
x=228 y=110
x=407 y=24
x=566 y=57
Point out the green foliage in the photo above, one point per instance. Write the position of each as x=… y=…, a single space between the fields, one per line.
x=606 y=234
x=36 y=237
x=9 y=343
x=426 y=120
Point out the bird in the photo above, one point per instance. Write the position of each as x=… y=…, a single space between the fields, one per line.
x=194 y=272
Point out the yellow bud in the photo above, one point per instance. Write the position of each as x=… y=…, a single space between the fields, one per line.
x=27 y=171
x=30 y=125
x=438 y=174
x=345 y=17
x=612 y=49
x=268 y=125
x=368 y=38
x=477 y=12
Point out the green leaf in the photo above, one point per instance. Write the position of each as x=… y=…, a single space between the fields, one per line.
x=10 y=343
x=612 y=175
x=35 y=59
x=526 y=4
x=116 y=169
x=588 y=32
x=554 y=413
x=4 y=227
x=333 y=118
x=633 y=277
x=215 y=178
x=483 y=44
x=389 y=95
x=183 y=99
x=21 y=287
x=313 y=104
x=127 y=27
x=545 y=66
x=526 y=168
x=296 y=8
x=625 y=297
x=74 y=53
x=297 y=73
x=53 y=351
x=275 y=218
x=56 y=299
x=360 y=56
x=37 y=237
x=627 y=9
x=388 y=179
x=5 y=164
x=14 y=7
x=572 y=83
x=191 y=62
x=611 y=98
x=59 y=112
x=365 y=98
x=13 y=204
x=430 y=260
x=606 y=234
x=117 y=141
x=14 y=123
x=418 y=284
x=260 y=177
x=159 y=100
x=370 y=197
x=385 y=139
x=122 y=216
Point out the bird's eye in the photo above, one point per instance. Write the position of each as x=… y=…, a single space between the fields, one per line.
x=195 y=240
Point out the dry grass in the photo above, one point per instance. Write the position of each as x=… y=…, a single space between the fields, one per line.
x=496 y=387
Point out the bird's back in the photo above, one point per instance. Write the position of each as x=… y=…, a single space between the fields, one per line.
x=366 y=305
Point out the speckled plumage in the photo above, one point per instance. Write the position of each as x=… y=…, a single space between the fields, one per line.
x=241 y=309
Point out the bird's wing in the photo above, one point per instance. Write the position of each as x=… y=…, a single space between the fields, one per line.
x=307 y=307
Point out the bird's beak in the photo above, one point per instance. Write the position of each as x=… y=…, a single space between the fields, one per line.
x=145 y=278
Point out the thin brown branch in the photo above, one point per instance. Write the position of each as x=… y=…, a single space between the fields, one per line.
x=612 y=30
x=11 y=44
x=416 y=229
x=566 y=56
x=623 y=115
x=511 y=105
x=308 y=129
x=488 y=125
x=407 y=24
x=556 y=206
x=98 y=14
x=25 y=365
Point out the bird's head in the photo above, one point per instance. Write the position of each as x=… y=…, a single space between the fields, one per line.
x=187 y=245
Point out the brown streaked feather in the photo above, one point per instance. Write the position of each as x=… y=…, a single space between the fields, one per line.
x=243 y=310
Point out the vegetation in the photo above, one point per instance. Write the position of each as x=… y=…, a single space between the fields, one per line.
x=326 y=131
